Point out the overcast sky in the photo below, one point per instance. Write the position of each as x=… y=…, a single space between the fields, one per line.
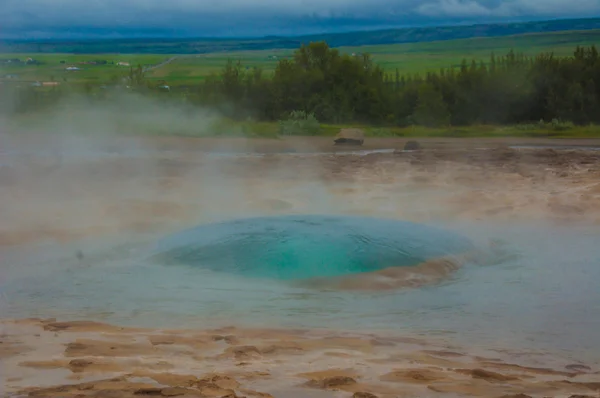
x=55 y=18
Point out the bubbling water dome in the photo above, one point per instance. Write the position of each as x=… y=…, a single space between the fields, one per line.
x=308 y=247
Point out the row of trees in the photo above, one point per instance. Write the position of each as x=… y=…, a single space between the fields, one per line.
x=340 y=88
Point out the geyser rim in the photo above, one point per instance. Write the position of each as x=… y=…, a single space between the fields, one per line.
x=282 y=217
x=166 y=250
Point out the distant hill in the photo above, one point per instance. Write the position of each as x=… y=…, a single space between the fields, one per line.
x=362 y=38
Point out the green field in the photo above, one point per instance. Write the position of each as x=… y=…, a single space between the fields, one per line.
x=408 y=58
x=53 y=66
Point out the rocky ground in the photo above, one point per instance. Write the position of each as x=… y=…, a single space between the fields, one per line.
x=179 y=183
x=54 y=198
x=45 y=358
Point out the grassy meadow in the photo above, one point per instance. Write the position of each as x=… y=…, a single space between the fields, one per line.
x=189 y=69
x=409 y=58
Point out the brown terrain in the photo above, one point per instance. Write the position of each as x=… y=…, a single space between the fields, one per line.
x=177 y=183
x=45 y=358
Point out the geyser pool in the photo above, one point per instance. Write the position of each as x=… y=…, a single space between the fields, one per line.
x=296 y=247
x=544 y=298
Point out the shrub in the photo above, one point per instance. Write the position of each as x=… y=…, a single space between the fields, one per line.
x=559 y=125
x=299 y=123
x=555 y=124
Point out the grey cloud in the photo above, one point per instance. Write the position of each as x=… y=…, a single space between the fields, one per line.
x=223 y=17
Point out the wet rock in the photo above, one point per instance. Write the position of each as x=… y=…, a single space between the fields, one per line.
x=11 y=348
x=229 y=339
x=363 y=395
x=490 y=376
x=578 y=368
x=516 y=396
x=253 y=393
x=413 y=376
x=212 y=390
x=149 y=392
x=282 y=349
x=444 y=354
x=221 y=381
x=174 y=380
x=111 y=394
x=332 y=382
x=161 y=340
x=49 y=392
x=80 y=326
x=79 y=365
x=412 y=146
x=595 y=386
x=350 y=137
x=242 y=352
x=82 y=348
x=546 y=153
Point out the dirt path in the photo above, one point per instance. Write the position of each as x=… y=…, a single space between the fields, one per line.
x=160 y=65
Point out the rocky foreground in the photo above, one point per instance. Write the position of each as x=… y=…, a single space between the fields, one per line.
x=45 y=358
x=54 y=200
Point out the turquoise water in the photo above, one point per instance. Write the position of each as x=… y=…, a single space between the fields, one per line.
x=544 y=295
x=308 y=246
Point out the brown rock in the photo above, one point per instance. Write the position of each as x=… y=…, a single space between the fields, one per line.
x=578 y=368
x=79 y=363
x=161 y=340
x=9 y=349
x=229 y=339
x=336 y=381
x=332 y=383
x=528 y=369
x=149 y=392
x=591 y=385
x=363 y=395
x=243 y=352
x=81 y=326
x=412 y=146
x=490 y=376
x=173 y=380
x=253 y=393
x=100 y=348
x=221 y=381
x=450 y=354
x=516 y=396
x=212 y=390
x=419 y=376
x=178 y=391
x=289 y=348
x=350 y=136
x=111 y=394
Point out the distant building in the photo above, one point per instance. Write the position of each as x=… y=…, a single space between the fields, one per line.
x=123 y=63
x=72 y=68
x=46 y=84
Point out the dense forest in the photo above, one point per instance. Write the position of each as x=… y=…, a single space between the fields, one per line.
x=343 y=88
